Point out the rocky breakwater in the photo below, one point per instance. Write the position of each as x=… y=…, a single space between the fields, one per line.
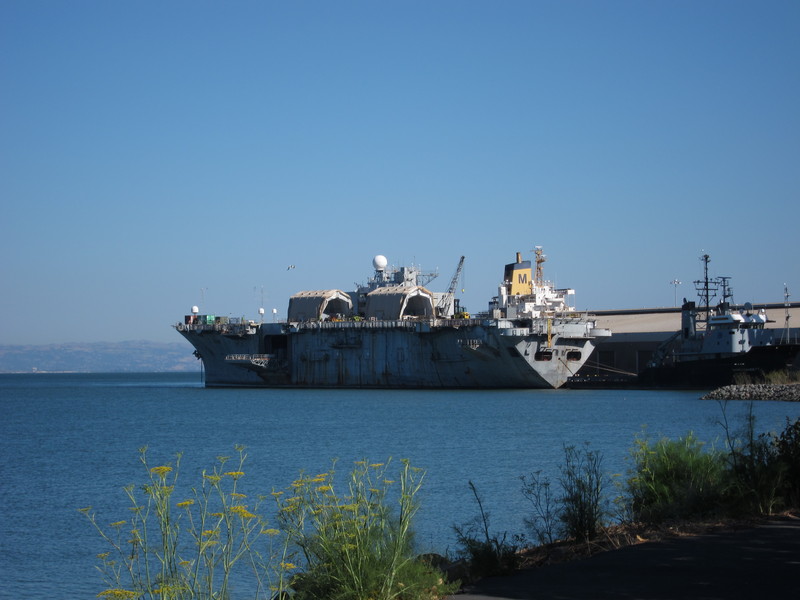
x=757 y=391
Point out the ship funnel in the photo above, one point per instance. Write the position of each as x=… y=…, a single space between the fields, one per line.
x=519 y=257
x=688 y=320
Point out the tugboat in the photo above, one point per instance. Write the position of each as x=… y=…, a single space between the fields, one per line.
x=719 y=346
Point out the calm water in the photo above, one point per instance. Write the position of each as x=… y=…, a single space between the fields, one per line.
x=70 y=441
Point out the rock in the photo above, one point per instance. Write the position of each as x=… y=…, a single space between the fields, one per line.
x=757 y=391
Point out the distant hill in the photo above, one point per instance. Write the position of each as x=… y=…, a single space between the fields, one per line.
x=99 y=357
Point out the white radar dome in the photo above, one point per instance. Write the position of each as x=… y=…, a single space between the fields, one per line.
x=380 y=262
x=195 y=310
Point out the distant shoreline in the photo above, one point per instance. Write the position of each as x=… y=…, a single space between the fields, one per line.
x=100 y=357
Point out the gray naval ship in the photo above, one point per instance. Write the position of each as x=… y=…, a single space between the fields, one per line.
x=392 y=332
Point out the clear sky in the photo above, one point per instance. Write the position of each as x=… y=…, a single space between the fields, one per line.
x=157 y=155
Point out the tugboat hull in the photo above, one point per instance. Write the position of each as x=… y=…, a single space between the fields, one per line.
x=710 y=372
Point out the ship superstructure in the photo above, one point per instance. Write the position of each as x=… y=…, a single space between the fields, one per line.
x=394 y=332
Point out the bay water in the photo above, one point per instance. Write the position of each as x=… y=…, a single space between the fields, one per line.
x=70 y=441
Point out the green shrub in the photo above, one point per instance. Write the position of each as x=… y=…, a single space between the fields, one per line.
x=675 y=479
x=681 y=479
x=787 y=453
x=765 y=468
x=353 y=546
x=757 y=474
x=754 y=471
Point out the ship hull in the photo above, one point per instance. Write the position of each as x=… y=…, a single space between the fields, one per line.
x=714 y=371
x=397 y=354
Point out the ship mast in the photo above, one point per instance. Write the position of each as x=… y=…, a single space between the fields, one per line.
x=538 y=274
x=703 y=286
x=727 y=290
x=706 y=288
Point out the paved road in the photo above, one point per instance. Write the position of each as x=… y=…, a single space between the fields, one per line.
x=762 y=563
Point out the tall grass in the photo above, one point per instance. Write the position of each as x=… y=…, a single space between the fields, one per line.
x=188 y=548
x=356 y=543
x=779 y=377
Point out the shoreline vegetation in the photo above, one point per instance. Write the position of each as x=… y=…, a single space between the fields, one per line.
x=347 y=533
x=675 y=488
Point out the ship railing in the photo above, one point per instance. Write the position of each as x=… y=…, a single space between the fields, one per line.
x=388 y=323
x=366 y=324
x=247 y=357
x=225 y=328
x=456 y=323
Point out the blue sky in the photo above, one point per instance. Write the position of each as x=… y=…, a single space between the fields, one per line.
x=156 y=155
